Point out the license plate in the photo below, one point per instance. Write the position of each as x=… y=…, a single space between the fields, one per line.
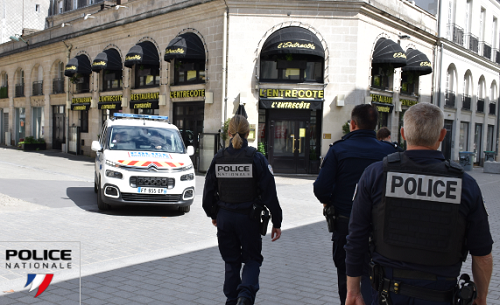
x=152 y=190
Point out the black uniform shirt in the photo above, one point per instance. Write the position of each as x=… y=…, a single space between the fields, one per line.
x=369 y=193
x=265 y=184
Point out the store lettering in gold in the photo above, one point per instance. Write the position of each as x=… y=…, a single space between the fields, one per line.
x=80 y=107
x=384 y=109
x=291 y=93
x=81 y=100
x=399 y=55
x=174 y=51
x=381 y=98
x=71 y=68
x=144 y=96
x=142 y=105
x=187 y=93
x=291 y=105
x=408 y=102
x=135 y=57
x=290 y=44
x=99 y=63
x=425 y=64
x=110 y=98
x=110 y=106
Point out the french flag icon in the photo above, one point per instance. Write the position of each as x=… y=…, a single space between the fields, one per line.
x=40 y=281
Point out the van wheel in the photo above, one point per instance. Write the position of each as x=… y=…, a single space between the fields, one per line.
x=101 y=204
x=185 y=209
x=95 y=185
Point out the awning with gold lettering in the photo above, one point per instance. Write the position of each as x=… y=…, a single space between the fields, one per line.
x=108 y=60
x=110 y=105
x=383 y=107
x=293 y=40
x=185 y=46
x=80 y=107
x=144 y=104
x=388 y=52
x=417 y=62
x=297 y=104
x=79 y=64
x=142 y=53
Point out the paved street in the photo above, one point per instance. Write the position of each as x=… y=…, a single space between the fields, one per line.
x=153 y=255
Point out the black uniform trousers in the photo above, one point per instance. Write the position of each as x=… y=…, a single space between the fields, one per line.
x=240 y=243
x=339 y=238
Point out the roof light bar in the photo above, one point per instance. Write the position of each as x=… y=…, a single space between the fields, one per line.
x=140 y=116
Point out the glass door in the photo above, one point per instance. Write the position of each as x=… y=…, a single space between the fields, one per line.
x=188 y=117
x=288 y=146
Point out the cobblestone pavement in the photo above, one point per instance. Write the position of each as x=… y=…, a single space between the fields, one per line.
x=157 y=256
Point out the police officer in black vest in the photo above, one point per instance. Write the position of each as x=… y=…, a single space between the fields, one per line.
x=239 y=185
x=424 y=214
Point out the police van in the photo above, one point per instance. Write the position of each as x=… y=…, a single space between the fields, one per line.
x=142 y=160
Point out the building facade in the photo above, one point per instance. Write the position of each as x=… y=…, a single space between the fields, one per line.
x=297 y=67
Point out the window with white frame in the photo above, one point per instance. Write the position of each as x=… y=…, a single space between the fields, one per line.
x=481 y=24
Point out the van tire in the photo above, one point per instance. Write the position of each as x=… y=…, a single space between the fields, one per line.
x=101 y=204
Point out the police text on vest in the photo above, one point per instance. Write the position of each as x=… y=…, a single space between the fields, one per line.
x=233 y=170
x=424 y=187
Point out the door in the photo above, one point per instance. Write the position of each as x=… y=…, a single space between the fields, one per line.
x=446 y=144
x=478 y=139
x=58 y=127
x=288 y=149
x=188 y=117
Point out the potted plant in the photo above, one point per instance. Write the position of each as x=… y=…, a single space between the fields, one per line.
x=262 y=148
x=30 y=143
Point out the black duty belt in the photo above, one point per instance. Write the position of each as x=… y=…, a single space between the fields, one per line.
x=239 y=211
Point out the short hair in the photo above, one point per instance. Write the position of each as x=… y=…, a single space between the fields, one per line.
x=422 y=124
x=365 y=116
x=383 y=133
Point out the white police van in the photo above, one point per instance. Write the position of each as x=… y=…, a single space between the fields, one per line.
x=141 y=159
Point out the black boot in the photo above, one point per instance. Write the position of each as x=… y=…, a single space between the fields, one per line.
x=243 y=301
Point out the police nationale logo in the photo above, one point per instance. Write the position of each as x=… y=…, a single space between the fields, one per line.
x=424 y=187
x=233 y=170
x=40 y=281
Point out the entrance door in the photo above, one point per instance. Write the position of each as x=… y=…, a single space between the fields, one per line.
x=288 y=146
x=478 y=139
x=58 y=127
x=446 y=144
x=188 y=117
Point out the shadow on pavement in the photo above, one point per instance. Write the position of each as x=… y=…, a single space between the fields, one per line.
x=297 y=269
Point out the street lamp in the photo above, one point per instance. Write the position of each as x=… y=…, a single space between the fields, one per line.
x=18 y=37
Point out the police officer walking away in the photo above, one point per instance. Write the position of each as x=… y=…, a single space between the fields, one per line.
x=239 y=185
x=424 y=215
x=340 y=172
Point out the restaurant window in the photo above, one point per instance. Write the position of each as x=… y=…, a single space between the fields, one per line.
x=463 y=142
x=147 y=76
x=112 y=80
x=291 y=68
x=409 y=83
x=147 y=111
x=381 y=76
x=84 y=121
x=189 y=72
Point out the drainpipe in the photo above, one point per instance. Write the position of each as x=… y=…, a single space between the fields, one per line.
x=66 y=114
x=224 y=65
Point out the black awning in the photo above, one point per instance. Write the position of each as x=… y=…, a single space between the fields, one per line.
x=295 y=40
x=109 y=105
x=80 y=107
x=418 y=62
x=269 y=103
x=388 y=52
x=79 y=64
x=108 y=60
x=145 y=104
x=142 y=53
x=241 y=111
x=383 y=107
x=185 y=46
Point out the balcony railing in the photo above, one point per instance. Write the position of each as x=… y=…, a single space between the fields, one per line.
x=19 y=90
x=473 y=44
x=485 y=50
x=449 y=98
x=466 y=102
x=480 y=106
x=456 y=34
x=38 y=88
x=493 y=109
x=4 y=92
x=58 y=85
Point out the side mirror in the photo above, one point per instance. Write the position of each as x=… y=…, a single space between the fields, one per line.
x=96 y=146
x=190 y=150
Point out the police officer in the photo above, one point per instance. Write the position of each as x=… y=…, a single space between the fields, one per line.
x=424 y=214
x=343 y=165
x=238 y=184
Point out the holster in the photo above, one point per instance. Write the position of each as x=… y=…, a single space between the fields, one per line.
x=330 y=215
x=466 y=292
x=265 y=221
x=261 y=214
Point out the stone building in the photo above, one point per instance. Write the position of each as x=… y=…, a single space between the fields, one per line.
x=297 y=67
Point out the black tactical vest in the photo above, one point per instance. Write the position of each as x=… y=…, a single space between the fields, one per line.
x=235 y=176
x=418 y=220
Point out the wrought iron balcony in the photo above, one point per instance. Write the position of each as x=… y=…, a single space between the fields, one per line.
x=493 y=109
x=480 y=106
x=456 y=34
x=473 y=43
x=4 y=92
x=466 y=101
x=58 y=85
x=485 y=50
x=449 y=98
x=38 y=88
x=19 y=90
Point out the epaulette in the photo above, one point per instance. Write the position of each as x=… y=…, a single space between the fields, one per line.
x=454 y=166
x=394 y=157
x=331 y=144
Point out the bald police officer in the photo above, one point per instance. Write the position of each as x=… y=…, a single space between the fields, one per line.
x=424 y=214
